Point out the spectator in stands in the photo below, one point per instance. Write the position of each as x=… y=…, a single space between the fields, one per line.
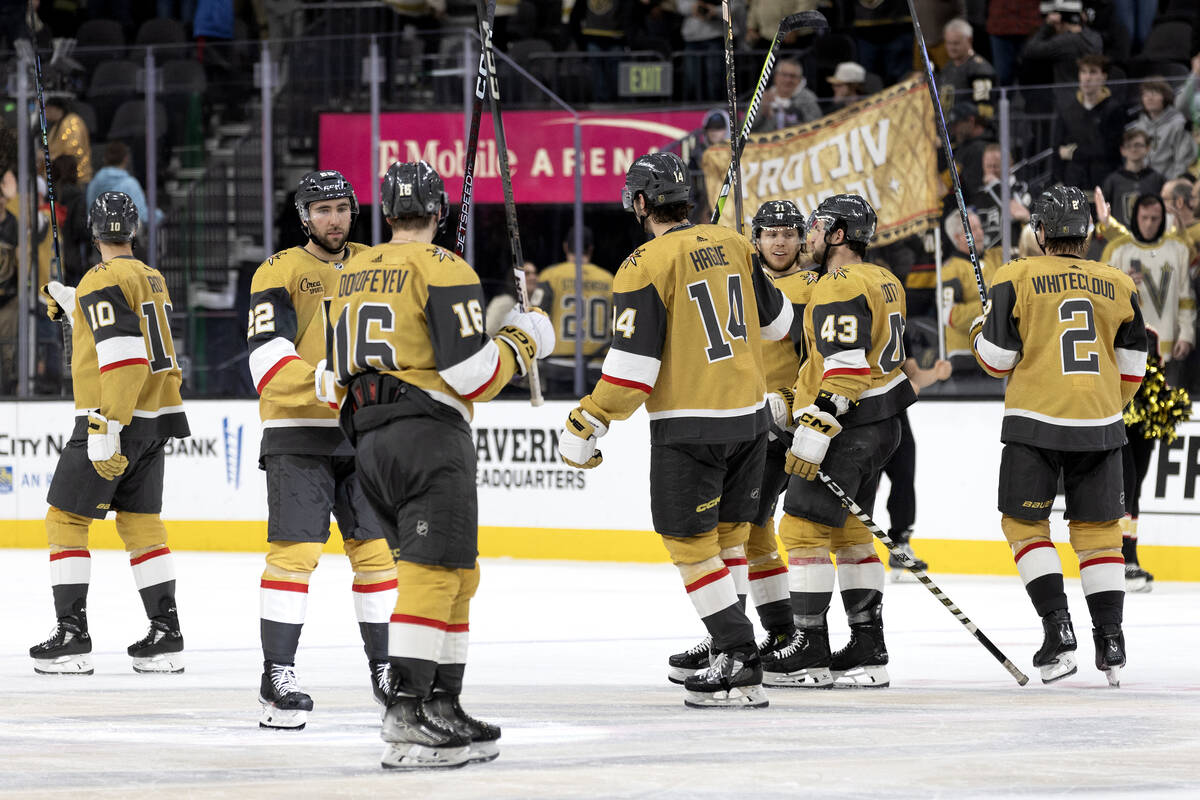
x=1172 y=148
x=1188 y=100
x=764 y=16
x=966 y=75
x=1136 y=17
x=1062 y=40
x=182 y=10
x=1135 y=178
x=601 y=26
x=67 y=134
x=715 y=130
x=788 y=101
x=501 y=304
x=1088 y=128
x=1009 y=23
x=970 y=136
x=883 y=37
x=703 y=39
x=987 y=201
x=1179 y=196
x=71 y=210
x=847 y=83
x=8 y=284
x=116 y=177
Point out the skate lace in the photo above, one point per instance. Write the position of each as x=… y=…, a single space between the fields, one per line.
x=56 y=633
x=284 y=680
x=721 y=665
x=381 y=676
x=152 y=637
x=703 y=647
x=792 y=646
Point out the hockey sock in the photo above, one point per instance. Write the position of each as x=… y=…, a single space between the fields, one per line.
x=860 y=578
x=810 y=579
x=374 y=592
x=1037 y=562
x=425 y=599
x=1101 y=569
x=710 y=587
x=70 y=575
x=154 y=575
x=732 y=538
x=283 y=597
x=767 y=573
x=1129 y=526
x=452 y=661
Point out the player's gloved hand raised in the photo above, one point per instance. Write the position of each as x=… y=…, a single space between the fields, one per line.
x=325 y=383
x=977 y=323
x=60 y=301
x=530 y=334
x=779 y=403
x=104 y=446
x=577 y=440
x=814 y=430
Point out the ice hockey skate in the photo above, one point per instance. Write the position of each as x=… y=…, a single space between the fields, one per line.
x=160 y=650
x=285 y=707
x=1056 y=658
x=862 y=663
x=901 y=573
x=418 y=740
x=1137 y=580
x=689 y=662
x=1110 y=651
x=733 y=681
x=803 y=663
x=379 y=681
x=484 y=736
x=66 y=652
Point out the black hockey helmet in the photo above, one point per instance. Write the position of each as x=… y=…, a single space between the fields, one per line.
x=850 y=212
x=113 y=217
x=1062 y=212
x=661 y=177
x=413 y=188
x=777 y=214
x=325 y=184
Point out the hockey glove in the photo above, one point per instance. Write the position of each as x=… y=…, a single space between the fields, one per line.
x=977 y=323
x=537 y=325
x=814 y=429
x=577 y=440
x=104 y=446
x=325 y=384
x=780 y=402
x=60 y=301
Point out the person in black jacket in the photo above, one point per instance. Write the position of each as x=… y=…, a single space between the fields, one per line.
x=1087 y=132
x=70 y=207
x=1135 y=178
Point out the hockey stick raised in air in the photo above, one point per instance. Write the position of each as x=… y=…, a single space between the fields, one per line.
x=56 y=272
x=941 y=121
x=735 y=170
x=510 y=205
x=464 y=211
x=805 y=19
x=924 y=578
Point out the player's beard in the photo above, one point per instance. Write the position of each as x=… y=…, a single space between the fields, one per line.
x=324 y=243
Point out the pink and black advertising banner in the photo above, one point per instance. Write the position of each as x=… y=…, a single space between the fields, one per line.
x=541 y=148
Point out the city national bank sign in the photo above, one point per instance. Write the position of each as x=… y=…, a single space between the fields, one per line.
x=541 y=148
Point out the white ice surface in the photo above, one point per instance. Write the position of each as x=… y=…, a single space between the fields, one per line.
x=570 y=659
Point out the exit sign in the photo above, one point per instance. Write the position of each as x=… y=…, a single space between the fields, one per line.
x=645 y=79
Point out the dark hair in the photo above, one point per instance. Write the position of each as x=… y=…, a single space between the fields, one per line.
x=410 y=222
x=1132 y=134
x=115 y=154
x=670 y=212
x=858 y=248
x=1097 y=60
x=1067 y=246
x=588 y=242
x=64 y=169
x=1147 y=200
x=1157 y=84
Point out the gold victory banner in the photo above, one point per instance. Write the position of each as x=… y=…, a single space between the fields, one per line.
x=883 y=148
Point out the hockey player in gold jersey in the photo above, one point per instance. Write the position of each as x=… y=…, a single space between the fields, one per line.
x=409 y=358
x=777 y=234
x=308 y=461
x=1068 y=334
x=960 y=294
x=849 y=394
x=690 y=311
x=555 y=294
x=126 y=381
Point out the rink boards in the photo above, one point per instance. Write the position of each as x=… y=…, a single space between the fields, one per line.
x=532 y=506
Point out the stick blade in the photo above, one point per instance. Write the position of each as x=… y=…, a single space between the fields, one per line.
x=805 y=19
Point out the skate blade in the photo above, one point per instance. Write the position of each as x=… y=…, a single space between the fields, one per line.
x=1114 y=676
x=680 y=674
x=902 y=575
x=282 y=720
x=1062 y=667
x=813 y=678
x=165 y=662
x=865 y=677
x=64 y=665
x=409 y=756
x=483 y=752
x=1137 y=586
x=739 y=697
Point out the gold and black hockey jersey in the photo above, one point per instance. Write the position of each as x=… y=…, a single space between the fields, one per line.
x=782 y=358
x=286 y=337
x=415 y=311
x=854 y=332
x=960 y=300
x=1165 y=291
x=124 y=363
x=1069 y=335
x=689 y=312
x=555 y=295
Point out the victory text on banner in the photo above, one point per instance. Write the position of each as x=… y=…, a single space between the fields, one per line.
x=541 y=150
x=883 y=148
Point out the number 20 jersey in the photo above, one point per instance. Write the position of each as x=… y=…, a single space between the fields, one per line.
x=1069 y=334
x=854 y=333
x=690 y=313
